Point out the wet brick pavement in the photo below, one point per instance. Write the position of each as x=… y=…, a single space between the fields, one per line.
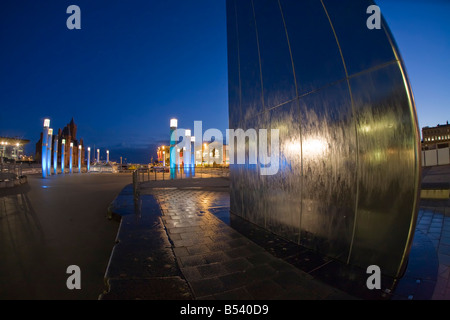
x=215 y=261
x=431 y=247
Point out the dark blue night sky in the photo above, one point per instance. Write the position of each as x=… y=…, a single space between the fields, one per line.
x=135 y=64
x=132 y=66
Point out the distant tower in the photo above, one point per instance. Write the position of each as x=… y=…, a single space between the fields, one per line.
x=73 y=129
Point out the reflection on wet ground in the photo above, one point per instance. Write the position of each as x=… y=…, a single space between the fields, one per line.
x=426 y=276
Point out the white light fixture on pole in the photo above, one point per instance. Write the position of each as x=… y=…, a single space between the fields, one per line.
x=107 y=156
x=98 y=155
x=173 y=142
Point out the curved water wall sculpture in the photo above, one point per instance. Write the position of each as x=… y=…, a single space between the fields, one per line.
x=338 y=93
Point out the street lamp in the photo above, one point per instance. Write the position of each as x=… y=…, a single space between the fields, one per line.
x=107 y=156
x=98 y=155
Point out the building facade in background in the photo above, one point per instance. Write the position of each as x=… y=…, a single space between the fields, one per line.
x=12 y=149
x=436 y=137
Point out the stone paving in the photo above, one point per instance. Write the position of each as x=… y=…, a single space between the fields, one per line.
x=220 y=263
x=189 y=253
x=434 y=222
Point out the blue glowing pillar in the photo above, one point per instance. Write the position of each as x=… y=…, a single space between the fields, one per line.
x=79 y=158
x=63 y=152
x=173 y=151
x=89 y=159
x=55 y=155
x=49 y=152
x=71 y=157
x=107 y=156
x=98 y=155
x=44 y=147
x=187 y=149
x=193 y=155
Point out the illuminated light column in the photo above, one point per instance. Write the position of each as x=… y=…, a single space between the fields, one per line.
x=63 y=152
x=187 y=149
x=173 y=152
x=98 y=155
x=178 y=159
x=79 y=158
x=193 y=155
x=71 y=157
x=55 y=155
x=44 y=147
x=49 y=152
x=89 y=159
x=107 y=156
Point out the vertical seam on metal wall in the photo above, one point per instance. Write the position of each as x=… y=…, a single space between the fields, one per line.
x=259 y=56
x=238 y=55
x=417 y=160
x=260 y=74
x=356 y=131
x=300 y=126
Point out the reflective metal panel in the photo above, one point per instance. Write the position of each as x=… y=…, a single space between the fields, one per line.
x=329 y=150
x=282 y=191
x=277 y=78
x=361 y=47
x=315 y=54
x=249 y=67
x=386 y=167
x=349 y=170
x=234 y=87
